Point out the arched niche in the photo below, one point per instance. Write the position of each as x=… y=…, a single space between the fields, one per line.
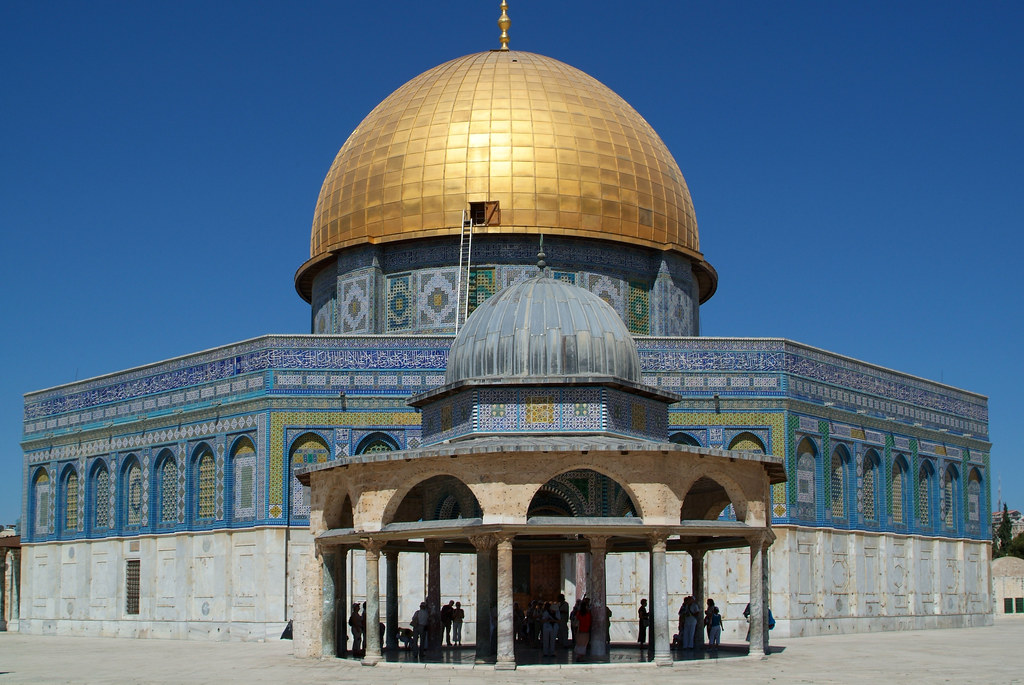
x=747 y=442
x=582 y=492
x=684 y=438
x=438 y=498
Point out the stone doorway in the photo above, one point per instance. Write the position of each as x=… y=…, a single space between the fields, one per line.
x=536 y=576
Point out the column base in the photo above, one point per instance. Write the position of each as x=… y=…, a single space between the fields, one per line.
x=371 y=660
x=759 y=655
x=504 y=665
x=663 y=659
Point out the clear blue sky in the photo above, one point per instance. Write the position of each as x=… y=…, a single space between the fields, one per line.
x=856 y=169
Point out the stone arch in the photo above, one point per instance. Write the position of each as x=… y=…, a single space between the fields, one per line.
x=684 y=438
x=67 y=501
x=900 y=490
x=925 y=496
x=378 y=441
x=806 y=479
x=640 y=504
x=582 y=492
x=748 y=442
x=339 y=514
x=435 y=498
x=708 y=495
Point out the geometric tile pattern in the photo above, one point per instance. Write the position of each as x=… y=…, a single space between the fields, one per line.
x=638 y=314
x=399 y=303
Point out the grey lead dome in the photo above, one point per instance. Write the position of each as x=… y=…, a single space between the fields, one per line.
x=542 y=327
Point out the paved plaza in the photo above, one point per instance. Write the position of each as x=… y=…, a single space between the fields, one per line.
x=970 y=655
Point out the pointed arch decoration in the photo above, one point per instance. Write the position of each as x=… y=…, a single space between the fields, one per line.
x=806 y=487
x=101 y=498
x=41 y=503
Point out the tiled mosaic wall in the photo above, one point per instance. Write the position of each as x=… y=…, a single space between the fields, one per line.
x=247 y=404
x=412 y=288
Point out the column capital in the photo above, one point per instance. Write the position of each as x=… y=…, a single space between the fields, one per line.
x=659 y=541
x=598 y=542
x=433 y=546
x=372 y=546
x=391 y=555
x=763 y=537
x=483 y=543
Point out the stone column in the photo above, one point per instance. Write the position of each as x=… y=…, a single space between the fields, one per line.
x=758 y=596
x=659 y=602
x=329 y=615
x=506 y=639
x=485 y=593
x=598 y=601
x=3 y=589
x=697 y=590
x=434 y=594
x=391 y=590
x=341 y=599
x=372 y=637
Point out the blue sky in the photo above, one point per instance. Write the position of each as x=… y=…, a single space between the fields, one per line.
x=856 y=170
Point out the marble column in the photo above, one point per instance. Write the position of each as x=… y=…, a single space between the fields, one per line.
x=391 y=590
x=434 y=594
x=598 y=601
x=3 y=589
x=758 y=597
x=659 y=602
x=372 y=637
x=506 y=640
x=329 y=615
x=485 y=593
x=697 y=590
x=15 y=609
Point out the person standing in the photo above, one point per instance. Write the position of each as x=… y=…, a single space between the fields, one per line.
x=549 y=628
x=715 y=634
x=355 y=622
x=689 y=622
x=458 y=616
x=582 y=633
x=563 y=622
x=420 y=626
x=447 y=617
x=643 y=618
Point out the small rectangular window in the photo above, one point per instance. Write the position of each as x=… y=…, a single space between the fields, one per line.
x=1018 y=605
x=485 y=213
x=1008 y=605
x=131 y=587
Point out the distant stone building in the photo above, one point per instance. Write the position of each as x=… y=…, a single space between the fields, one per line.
x=1008 y=586
x=162 y=500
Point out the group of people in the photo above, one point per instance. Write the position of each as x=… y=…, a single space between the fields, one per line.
x=692 y=617
x=357 y=627
x=448 y=621
x=551 y=625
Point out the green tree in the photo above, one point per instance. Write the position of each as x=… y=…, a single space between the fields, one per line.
x=1016 y=547
x=1004 y=535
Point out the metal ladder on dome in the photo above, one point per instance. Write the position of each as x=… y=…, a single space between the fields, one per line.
x=462 y=282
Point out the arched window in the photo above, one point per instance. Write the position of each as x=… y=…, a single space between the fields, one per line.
x=899 y=488
x=131 y=498
x=974 y=502
x=69 y=513
x=376 y=442
x=805 y=486
x=243 y=461
x=41 y=502
x=100 y=497
x=747 y=442
x=684 y=439
x=168 y=479
x=950 y=490
x=205 y=485
x=924 y=500
x=307 y=449
x=838 y=483
x=868 y=485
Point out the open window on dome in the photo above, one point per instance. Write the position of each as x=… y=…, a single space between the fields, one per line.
x=485 y=213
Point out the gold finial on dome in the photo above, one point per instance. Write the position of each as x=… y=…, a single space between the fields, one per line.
x=503 y=23
x=540 y=255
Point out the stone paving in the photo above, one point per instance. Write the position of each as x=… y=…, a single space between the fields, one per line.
x=968 y=655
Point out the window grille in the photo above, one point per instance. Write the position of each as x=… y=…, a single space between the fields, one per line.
x=131 y=587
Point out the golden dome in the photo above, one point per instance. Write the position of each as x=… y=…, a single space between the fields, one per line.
x=559 y=151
